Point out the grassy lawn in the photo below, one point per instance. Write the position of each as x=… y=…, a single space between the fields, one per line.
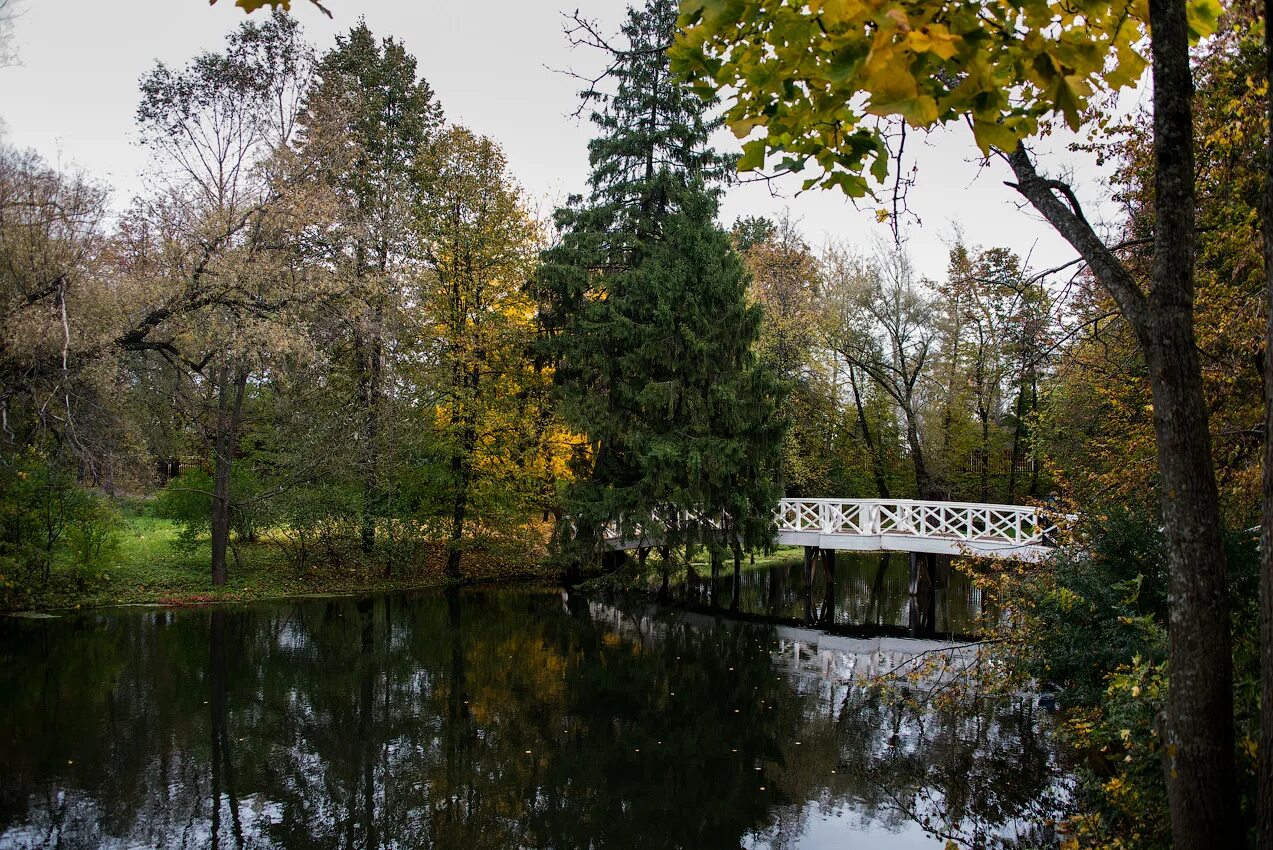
x=751 y=561
x=150 y=567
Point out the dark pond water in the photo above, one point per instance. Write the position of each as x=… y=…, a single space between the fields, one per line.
x=871 y=590
x=486 y=719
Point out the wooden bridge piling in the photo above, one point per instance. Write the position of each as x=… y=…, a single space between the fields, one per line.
x=828 y=600
x=923 y=597
x=810 y=552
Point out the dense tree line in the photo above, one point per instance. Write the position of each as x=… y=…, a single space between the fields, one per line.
x=326 y=324
x=903 y=386
x=312 y=324
x=328 y=321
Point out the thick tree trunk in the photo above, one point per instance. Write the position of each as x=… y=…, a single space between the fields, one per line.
x=713 y=591
x=369 y=353
x=1264 y=804
x=225 y=444
x=877 y=462
x=925 y=485
x=1198 y=733
x=1199 y=718
x=1018 y=432
x=1199 y=766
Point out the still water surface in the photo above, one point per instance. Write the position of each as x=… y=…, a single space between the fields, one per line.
x=870 y=590
x=482 y=719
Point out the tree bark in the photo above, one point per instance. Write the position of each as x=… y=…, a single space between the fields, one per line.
x=925 y=485
x=713 y=593
x=1018 y=432
x=1264 y=774
x=225 y=444
x=1198 y=723
x=1201 y=782
x=877 y=462
x=462 y=470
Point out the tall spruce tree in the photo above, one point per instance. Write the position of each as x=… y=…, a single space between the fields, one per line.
x=646 y=319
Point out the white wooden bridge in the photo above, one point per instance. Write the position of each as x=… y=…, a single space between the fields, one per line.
x=895 y=525
x=902 y=525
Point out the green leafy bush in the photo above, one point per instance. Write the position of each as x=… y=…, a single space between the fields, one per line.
x=187 y=500
x=92 y=542
x=51 y=529
x=1093 y=622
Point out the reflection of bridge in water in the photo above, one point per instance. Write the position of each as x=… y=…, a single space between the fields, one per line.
x=811 y=654
x=924 y=530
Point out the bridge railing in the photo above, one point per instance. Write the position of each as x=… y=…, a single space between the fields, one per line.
x=685 y=520
x=1009 y=524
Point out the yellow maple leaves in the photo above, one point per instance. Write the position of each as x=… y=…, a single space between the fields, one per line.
x=795 y=70
x=934 y=38
x=251 y=6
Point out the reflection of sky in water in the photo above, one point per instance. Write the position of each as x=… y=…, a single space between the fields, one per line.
x=843 y=828
x=518 y=718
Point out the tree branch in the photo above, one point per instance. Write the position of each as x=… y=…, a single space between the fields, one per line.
x=1068 y=219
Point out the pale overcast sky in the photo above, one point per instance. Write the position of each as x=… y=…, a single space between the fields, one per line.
x=73 y=95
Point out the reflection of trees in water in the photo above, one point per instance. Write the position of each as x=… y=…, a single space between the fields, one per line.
x=868 y=590
x=456 y=720
x=966 y=772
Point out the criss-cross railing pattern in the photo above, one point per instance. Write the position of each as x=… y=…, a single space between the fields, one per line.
x=960 y=521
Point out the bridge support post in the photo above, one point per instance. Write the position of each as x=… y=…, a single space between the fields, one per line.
x=828 y=600
x=809 y=554
x=923 y=600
